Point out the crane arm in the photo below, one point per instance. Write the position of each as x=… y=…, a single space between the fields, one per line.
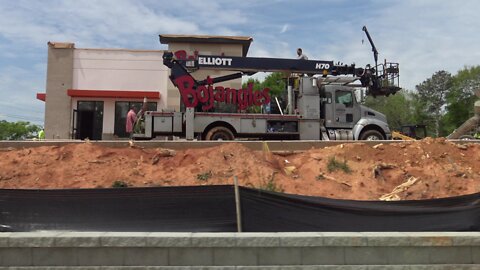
x=374 y=49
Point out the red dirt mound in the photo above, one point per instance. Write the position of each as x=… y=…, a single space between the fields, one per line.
x=417 y=170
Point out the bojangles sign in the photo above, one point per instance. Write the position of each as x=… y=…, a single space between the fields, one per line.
x=207 y=95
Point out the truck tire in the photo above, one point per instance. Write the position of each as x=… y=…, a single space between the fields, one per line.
x=219 y=133
x=371 y=135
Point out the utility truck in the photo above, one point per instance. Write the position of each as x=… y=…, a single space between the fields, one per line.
x=322 y=104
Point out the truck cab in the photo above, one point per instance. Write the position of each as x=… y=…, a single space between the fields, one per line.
x=343 y=117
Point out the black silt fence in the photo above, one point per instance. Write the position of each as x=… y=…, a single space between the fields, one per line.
x=212 y=209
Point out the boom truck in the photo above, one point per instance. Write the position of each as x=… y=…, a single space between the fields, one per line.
x=323 y=97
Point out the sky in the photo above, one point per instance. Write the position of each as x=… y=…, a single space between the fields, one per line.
x=424 y=36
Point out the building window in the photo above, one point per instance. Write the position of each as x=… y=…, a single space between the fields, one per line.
x=121 y=110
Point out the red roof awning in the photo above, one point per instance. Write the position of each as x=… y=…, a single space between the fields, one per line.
x=41 y=96
x=113 y=93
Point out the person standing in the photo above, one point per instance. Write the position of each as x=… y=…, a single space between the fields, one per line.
x=300 y=55
x=41 y=134
x=131 y=118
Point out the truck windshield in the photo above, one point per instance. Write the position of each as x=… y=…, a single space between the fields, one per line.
x=344 y=97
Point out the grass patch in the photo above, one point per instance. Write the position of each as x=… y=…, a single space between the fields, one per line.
x=335 y=165
x=119 y=184
x=271 y=185
x=204 y=176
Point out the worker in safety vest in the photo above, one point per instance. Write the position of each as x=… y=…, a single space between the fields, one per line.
x=41 y=134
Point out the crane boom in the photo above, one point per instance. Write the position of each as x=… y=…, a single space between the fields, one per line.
x=374 y=49
x=250 y=65
x=380 y=80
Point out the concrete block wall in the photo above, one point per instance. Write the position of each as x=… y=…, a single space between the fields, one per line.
x=58 y=110
x=182 y=251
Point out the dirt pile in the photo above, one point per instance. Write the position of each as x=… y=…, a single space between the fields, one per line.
x=419 y=170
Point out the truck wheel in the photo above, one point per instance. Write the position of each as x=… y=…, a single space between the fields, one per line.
x=219 y=133
x=371 y=135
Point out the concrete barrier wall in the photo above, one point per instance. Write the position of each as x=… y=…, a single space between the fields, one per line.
x=92 y=250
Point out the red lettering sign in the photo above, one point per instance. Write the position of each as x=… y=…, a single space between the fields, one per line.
x=206 y=95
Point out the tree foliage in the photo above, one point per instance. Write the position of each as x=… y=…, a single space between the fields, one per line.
x=461 y=98
x=419 y=114
x=400 y=109
x=274 y=81
x=442 y=102
x=17 y=130
x=432 y=94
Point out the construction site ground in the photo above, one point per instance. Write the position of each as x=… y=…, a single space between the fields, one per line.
x=426 y=169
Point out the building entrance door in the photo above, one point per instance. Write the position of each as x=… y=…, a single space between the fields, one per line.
x=89 y=120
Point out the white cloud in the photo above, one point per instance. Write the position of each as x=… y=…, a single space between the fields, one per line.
x=88 y=23
x=21 y=85
x=285 y=28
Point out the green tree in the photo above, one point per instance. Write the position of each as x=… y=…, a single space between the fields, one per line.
x=257 y=86
x=398 y=108
x=461 y=98
x=274 y=81
x=418 y=112
x=17 y=130
x=432 y=94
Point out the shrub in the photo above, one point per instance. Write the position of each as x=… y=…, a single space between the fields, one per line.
x=271 y=185
x=334 y=165
x=119 y=184
x=204 y=176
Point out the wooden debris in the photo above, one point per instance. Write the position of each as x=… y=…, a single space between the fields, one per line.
x=132 y=144
x=462 y=146
x=227 y=155
x=96 y=161
x=162 y=153
x=378 y=146
x=324 y=176
x=289 y=170
x=393 y=196
x=377 y=169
